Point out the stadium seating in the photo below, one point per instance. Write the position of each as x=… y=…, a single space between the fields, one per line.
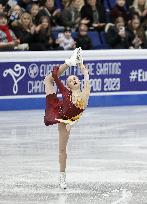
x=104 y=41
x=94 y=36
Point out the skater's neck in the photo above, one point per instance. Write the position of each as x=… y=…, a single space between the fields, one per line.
x=76 y=92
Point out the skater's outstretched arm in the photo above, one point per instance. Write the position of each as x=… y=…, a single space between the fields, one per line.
x=48 y=81
x=86 y=89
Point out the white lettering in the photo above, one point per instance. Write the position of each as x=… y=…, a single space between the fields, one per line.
x=108 y=68
x=36 y=87
x=46 y=69
x=142 y=75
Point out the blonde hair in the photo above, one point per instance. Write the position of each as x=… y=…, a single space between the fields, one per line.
x=28 y=15
x=136 y=6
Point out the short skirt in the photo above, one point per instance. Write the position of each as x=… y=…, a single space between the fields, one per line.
x=53 y=105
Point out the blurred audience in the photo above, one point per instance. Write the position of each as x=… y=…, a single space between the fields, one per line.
x=83 y=40
x=34 y=11
x=8 y=40
x=1 y=8
x=24 y=30
x=65 y=40
x=34 y=24
x=140 y=40
x=71 y=14
x=48 y=9
x=140 y=7
x=119 y=10
x=93 y=14
x=118 y=35
x=66 y=3
x=14 y=14
x=42 y=35
x=24 y=4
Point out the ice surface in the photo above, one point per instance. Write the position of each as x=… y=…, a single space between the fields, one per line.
x=107 y=158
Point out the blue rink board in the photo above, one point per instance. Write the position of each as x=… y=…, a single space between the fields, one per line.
x=94 y=101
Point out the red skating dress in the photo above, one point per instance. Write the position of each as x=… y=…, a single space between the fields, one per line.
x=60 y=108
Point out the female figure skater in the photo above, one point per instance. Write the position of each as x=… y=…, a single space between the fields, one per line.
x=68 y=110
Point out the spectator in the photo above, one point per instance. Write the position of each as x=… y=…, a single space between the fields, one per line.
x=66 y=3
x=14 y=14
x=25 y=4
x=83 y=40
x=118 y=36
x=34 y=12
x=119 y=10
x=42 y=37
x=65 y=40
x=24 y=30
x=71 y=14
x=139 y=33
x=48 y=9
x=93 y=14
x=1 y=8
x=8 y=40
x=140 y=7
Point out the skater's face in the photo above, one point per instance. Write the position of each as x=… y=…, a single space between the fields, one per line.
x=73 y=82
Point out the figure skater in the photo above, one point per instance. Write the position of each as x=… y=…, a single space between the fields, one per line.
x=66 y=111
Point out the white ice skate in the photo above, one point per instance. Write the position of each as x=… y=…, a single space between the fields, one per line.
x=62 y=183
x=72 y=61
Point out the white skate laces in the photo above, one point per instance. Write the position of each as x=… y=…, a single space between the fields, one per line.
x=62 y=183
x=75 y=58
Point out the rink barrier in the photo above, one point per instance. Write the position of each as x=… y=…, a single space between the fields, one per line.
x=118 y=77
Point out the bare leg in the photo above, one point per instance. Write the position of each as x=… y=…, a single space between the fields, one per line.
x=49 y=88
x=63 y=140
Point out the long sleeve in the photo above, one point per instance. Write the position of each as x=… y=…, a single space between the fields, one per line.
x=63 y=90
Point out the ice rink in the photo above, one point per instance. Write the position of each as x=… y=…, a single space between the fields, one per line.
x=107 y=158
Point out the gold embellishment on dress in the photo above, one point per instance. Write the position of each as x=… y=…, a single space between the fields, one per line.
x=80 y=104
x=69 y=121
x=76 y=117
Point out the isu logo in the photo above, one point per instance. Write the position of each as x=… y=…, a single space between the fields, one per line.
x=33 y=71
x=17 y=74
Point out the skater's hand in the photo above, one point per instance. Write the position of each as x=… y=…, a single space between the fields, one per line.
x=83 y=69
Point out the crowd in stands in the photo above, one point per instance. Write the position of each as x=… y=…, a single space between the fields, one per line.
x=40 y=25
